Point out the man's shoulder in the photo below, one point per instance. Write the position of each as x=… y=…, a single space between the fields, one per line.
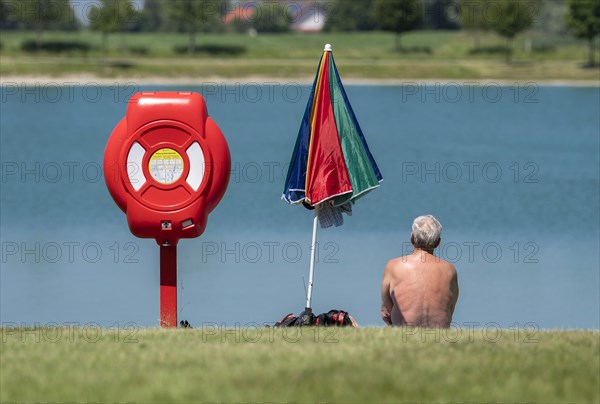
x=398 y=261
x=447 y=266
x=389 y=267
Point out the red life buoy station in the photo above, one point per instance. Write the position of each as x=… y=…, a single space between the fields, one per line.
x=167 y=166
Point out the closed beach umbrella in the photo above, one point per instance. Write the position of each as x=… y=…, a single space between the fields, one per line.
x=331 y=165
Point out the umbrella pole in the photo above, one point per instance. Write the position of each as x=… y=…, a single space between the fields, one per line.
x=307 y=320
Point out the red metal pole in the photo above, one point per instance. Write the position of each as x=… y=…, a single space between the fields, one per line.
x=168 y=286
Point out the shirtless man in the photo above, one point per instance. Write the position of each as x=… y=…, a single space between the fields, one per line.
x=420 y=290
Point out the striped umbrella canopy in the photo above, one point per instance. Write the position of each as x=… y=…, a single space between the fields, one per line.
x=331 y=161
x=331 y=158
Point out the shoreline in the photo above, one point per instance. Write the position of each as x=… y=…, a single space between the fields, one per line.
x=87 y=79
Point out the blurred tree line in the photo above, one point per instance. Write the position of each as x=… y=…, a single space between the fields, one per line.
x=32 y=15
x=206 y=15
x=507 y=18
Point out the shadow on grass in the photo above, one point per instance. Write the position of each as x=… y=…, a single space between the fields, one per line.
x=520 y=63
x=119 y=64
x=490 y=50
x=212 y=50
x=31 y=46
x=138 y=50
x=414 y=49
x=543 y=48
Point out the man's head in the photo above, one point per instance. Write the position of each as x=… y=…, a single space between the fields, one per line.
x=426 y=233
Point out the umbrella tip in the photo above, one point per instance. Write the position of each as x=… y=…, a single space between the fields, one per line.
x=328 y=48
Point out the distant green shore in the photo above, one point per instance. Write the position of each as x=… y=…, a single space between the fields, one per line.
x=252 y=364
x=427 y=55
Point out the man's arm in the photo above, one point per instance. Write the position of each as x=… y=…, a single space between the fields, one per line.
x=386 y=300
x=454 y=289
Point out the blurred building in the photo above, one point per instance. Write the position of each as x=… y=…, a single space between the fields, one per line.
x=305 y=15
x=310 y=17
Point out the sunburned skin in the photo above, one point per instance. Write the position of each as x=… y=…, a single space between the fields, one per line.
x=419 y=290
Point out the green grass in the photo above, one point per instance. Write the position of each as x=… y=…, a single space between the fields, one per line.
x=371 y=365
x=359 y=55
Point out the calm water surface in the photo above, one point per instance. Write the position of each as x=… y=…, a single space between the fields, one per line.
x=511 y=173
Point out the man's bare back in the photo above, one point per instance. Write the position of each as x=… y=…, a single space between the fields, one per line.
x=419 y=290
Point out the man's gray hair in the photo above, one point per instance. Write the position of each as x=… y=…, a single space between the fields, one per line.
x=426 y=232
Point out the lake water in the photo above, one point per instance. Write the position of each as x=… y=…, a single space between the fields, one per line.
x=511 y=172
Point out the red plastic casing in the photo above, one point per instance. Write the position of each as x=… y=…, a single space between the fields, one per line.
x=174 y=120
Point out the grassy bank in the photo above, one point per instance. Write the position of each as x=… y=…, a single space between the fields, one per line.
x=427 y=55
x=265 y=365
